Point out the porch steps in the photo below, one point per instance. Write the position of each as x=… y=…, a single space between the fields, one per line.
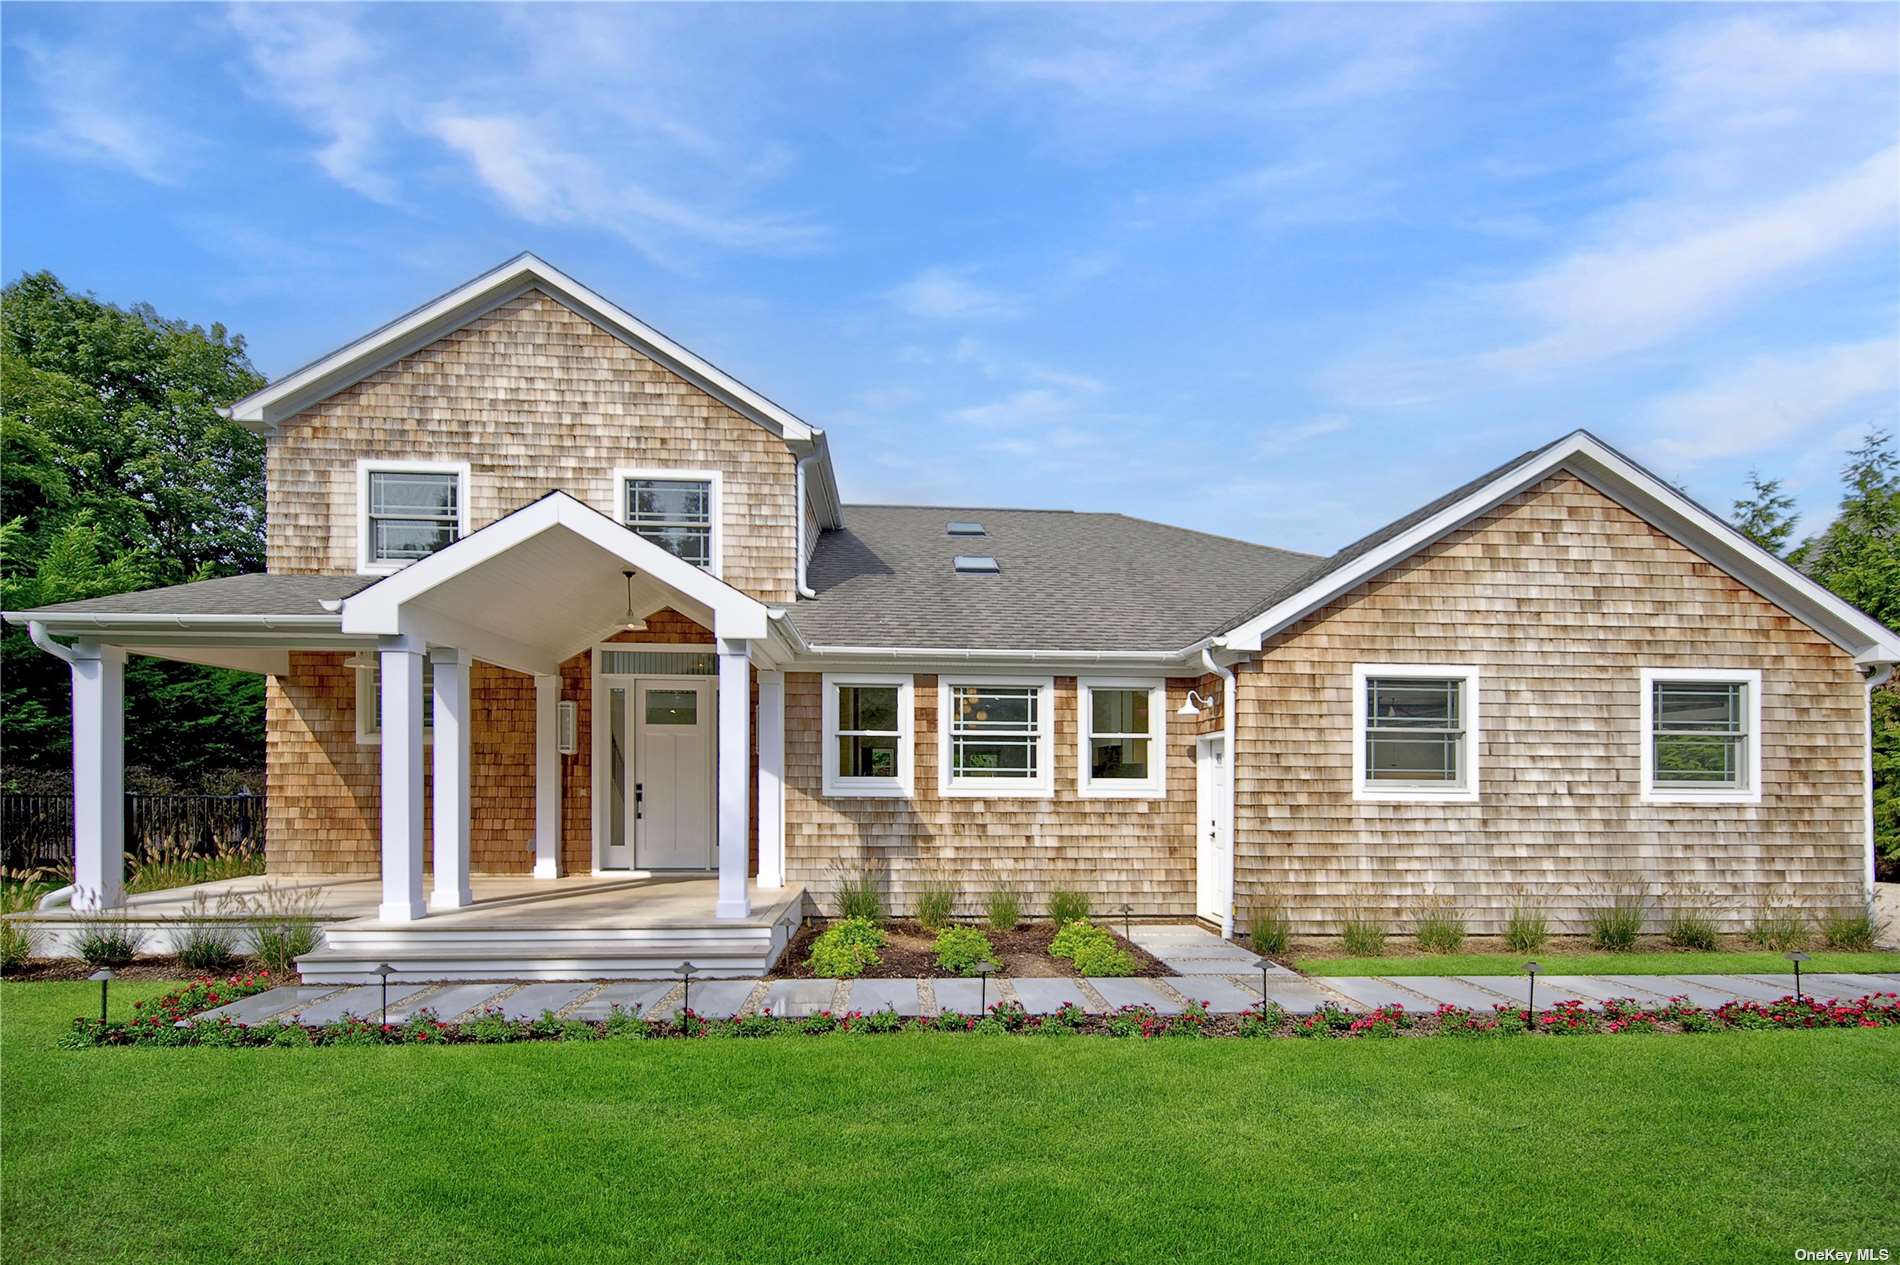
x=352 y=953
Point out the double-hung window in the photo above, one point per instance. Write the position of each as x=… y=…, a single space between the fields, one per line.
x=1415 y=732
x=1701 y=735
x=1122 y=737
x=678 y=510
x=867 y=735
x=995 y=735
x=369 y=699
x=408 y=510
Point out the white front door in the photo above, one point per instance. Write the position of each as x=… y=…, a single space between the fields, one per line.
x=1213 y=837
x=673 y=760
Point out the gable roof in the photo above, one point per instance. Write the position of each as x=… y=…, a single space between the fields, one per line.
x=1066 y=581
x=416 y=329
x=1664 y=507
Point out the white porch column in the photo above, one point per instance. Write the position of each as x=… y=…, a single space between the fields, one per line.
x=547 y=777
x=735 y=751
x=451 y=778
x=401 y=659
x=771 y=779
x=98 y=775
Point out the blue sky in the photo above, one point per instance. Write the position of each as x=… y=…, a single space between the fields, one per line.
x=1277 y=272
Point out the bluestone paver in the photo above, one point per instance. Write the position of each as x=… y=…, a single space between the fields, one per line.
x=1119 y=992
x=715 y=998
x=1849 y=986
x=1237 y=962
x=1221 y=996
x=796 y=998
x=1297 y=996
x=1667 y=986
x=634 y=997
x=873 y=995
x=1372 y=992
x=529 y=1002
x=1742 y=986
x=1516 y=988
x=362 y=1002
x=1444 y=990
x=964 y=995
x=262 y=1006
x=447 y=1004
x=1592 y=988
x=1046 y=996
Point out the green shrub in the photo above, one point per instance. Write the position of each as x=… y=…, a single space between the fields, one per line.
x=205 y=940
x=960 y=950
x=847 y=948
x=1779 y=929
x=1066 y=906
x=1615 y=926
x=284 y=925
x=1103 y=957
x=1073 y=936
x=859 y=897
x=1270 y=930
x=109 y=941
x=1690 y=929
x=936 y=901
x=491 y=1027
x=1527 y=928
x=17 y=940
x=1004 y=907
x=1363 y=933
x=287 y=1036
x=1852 y=930
x=1439 y=927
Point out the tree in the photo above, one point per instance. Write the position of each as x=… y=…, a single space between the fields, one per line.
x=117 y=473
x=1763 y=515
x=1858 y=556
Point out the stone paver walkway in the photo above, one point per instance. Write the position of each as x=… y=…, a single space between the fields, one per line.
x=1225 y=993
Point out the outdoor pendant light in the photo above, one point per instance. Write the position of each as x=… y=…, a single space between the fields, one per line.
x=632 y=621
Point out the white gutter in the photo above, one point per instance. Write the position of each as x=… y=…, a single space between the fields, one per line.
x=37 y=631
x=803 y=589
x=1877 y=674
x=1227 y=741
x=129 y=621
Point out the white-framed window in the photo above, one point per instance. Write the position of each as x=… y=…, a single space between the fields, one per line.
x=1121 y=737
x=996 y=735
x=678 y=510
x=407 y=510
x=369 y=703
x=1701 y=735
x=868 y=734
x=1415 y=732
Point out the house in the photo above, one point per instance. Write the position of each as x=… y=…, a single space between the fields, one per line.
x=578 y=664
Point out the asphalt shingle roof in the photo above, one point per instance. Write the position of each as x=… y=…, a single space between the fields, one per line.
x=1069 y=581
x=233 y=595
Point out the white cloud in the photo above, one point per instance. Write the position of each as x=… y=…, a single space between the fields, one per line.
x=1031 y=406
x=1278 y=441
x=98 y=111
x=950 y=294
x=1773 y=399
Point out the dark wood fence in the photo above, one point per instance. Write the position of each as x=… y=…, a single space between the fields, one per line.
x=37 y=830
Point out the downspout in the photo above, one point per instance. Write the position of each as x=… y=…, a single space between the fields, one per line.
x=37 y=632
x=1227 y=742
x=807 y=459
x=1878 y=674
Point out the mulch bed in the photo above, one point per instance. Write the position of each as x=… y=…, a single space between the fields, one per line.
x=66 y=970
x=910 y=952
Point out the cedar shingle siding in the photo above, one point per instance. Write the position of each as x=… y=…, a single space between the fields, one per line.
x=1560 y=595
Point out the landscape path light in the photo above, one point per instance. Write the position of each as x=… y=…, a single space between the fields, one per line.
x=1797 y=957
x=1531 y=969
x=104 y=976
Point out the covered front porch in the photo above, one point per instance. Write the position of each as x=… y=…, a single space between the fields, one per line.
x=642 y=796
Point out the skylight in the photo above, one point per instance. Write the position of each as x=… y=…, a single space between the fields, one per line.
x=963 y=527
x=976 y=564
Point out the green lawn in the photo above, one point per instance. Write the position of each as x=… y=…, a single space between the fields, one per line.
x=1600 y=964
x=1731 y=1146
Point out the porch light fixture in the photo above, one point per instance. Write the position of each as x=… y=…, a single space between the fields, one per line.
x=631 y=622
x=104 y=976
x=1797 y=957
x=361 y=659
x=383 y=972
x=1195 y=705
x=1531 y=969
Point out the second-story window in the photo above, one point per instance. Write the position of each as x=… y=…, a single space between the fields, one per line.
x=679 y=512
x=409 y=511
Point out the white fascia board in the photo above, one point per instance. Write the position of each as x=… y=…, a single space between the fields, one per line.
x=378 y=609
x=408 y=333
x=1658 y=504
x=79 y=621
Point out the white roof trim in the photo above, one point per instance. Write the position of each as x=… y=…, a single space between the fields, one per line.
x=357 y=360
x=1643 y=494
x=378 y=608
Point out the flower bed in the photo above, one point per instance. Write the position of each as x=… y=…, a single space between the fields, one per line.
x=910 y=952
x=166 y=1021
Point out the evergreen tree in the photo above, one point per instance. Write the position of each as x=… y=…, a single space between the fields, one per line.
x=1763 y=515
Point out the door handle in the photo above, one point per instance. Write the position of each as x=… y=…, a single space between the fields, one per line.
x=639 y=800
